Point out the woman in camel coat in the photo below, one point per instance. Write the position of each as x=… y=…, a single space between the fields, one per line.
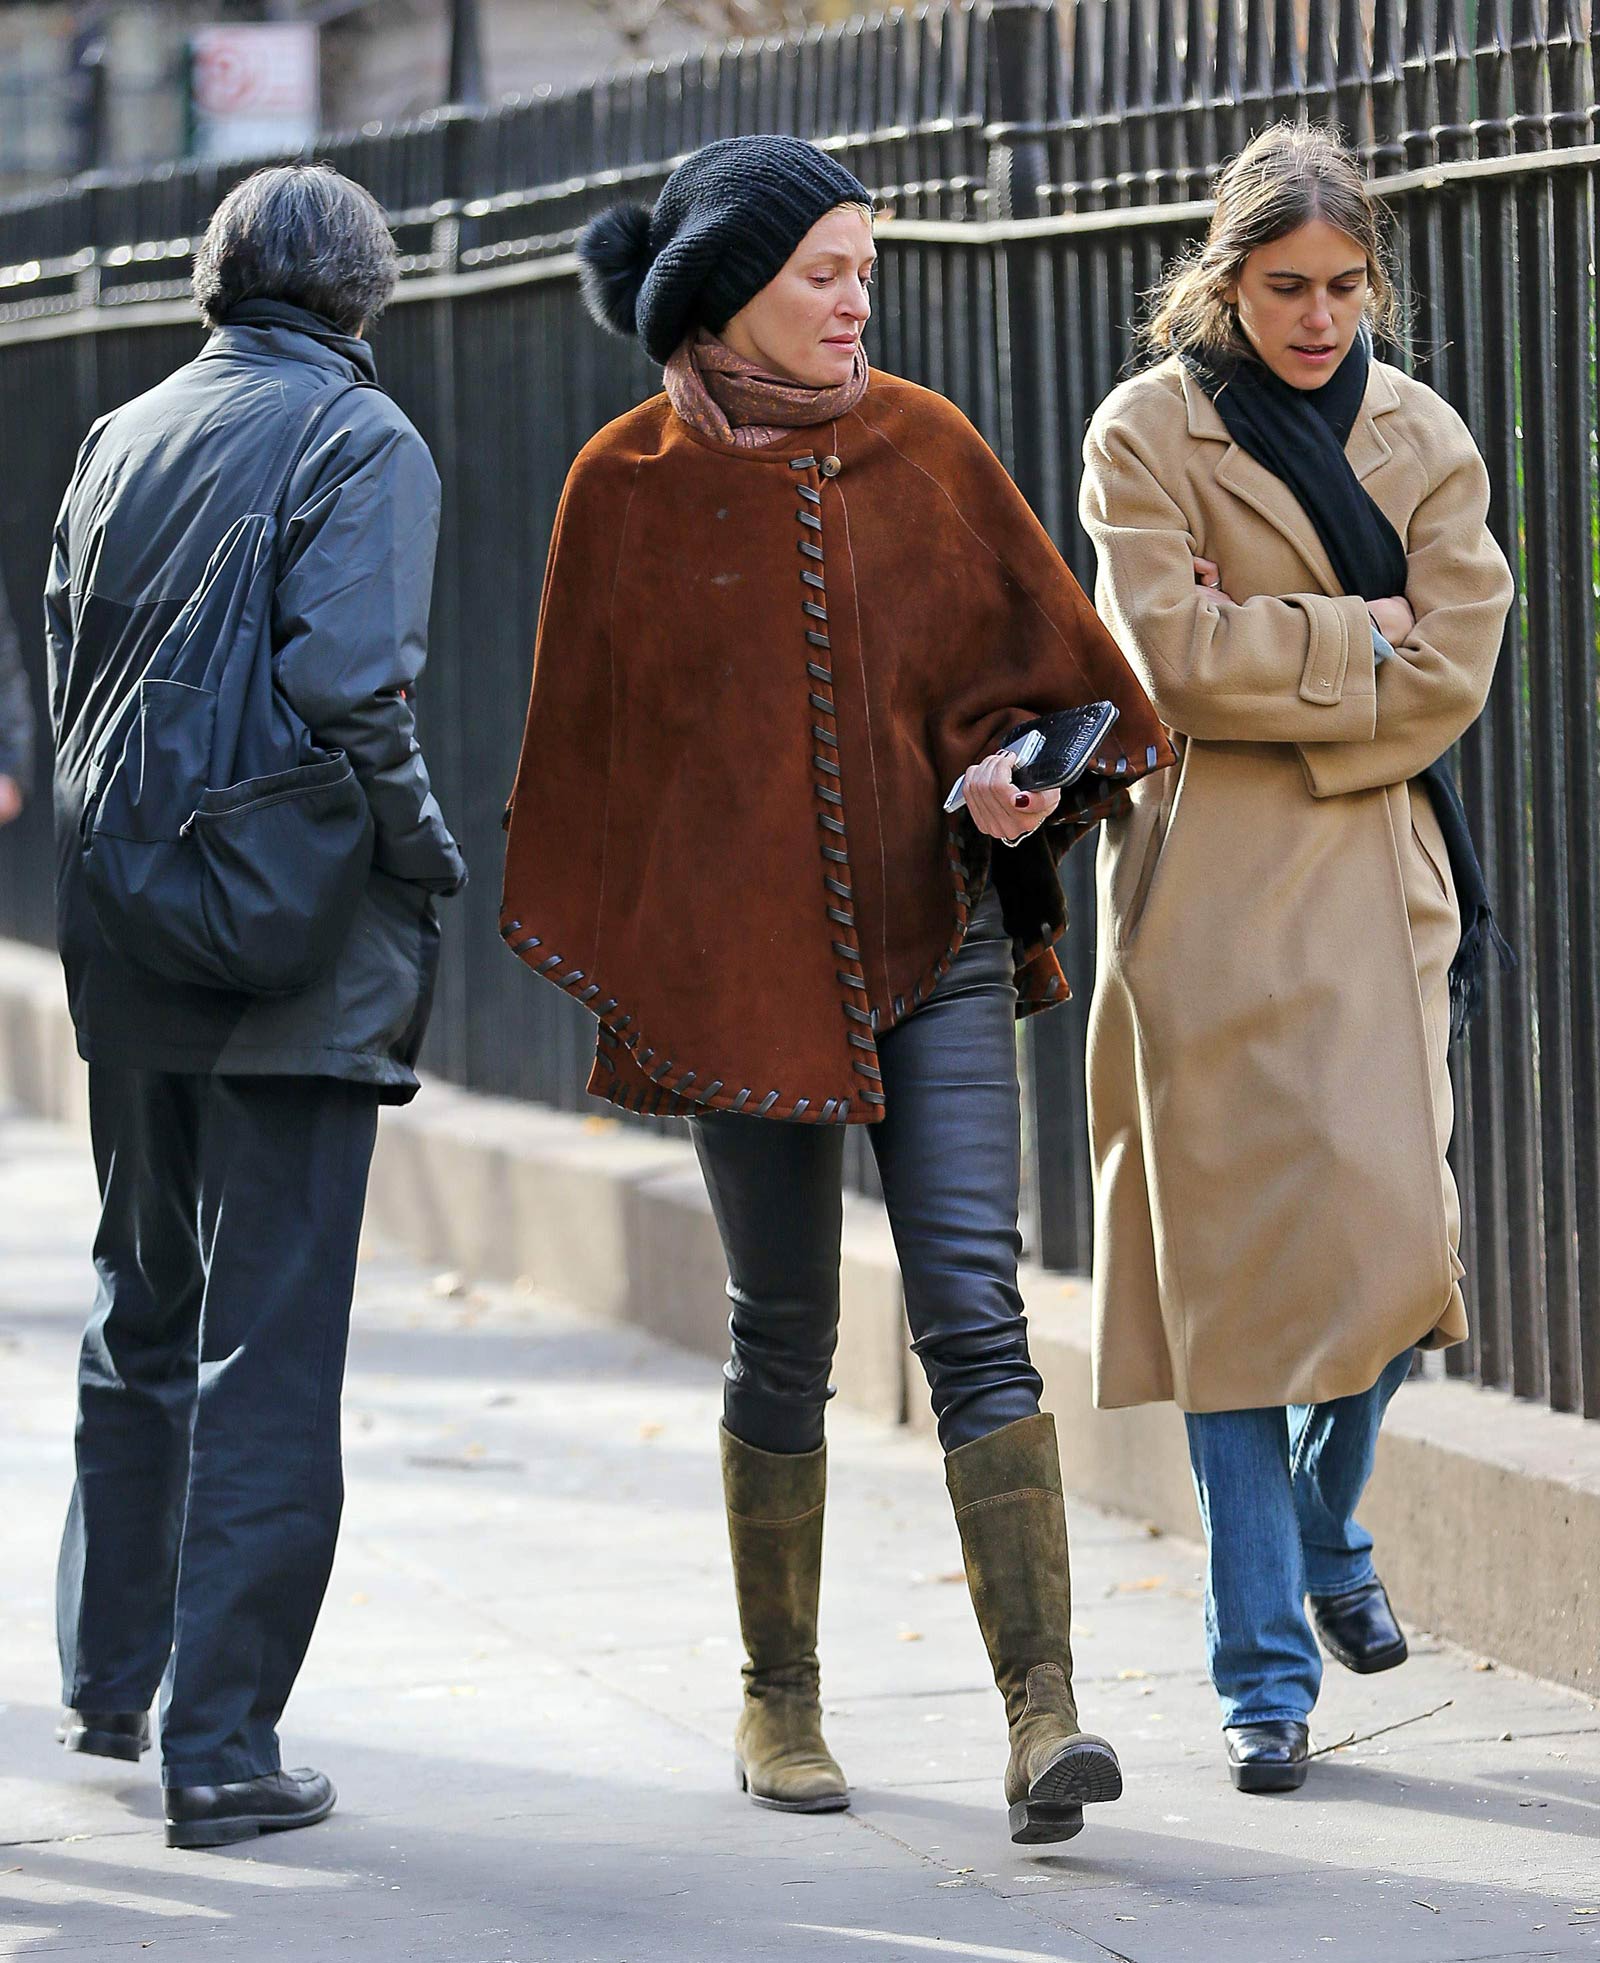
x=1277 y=1225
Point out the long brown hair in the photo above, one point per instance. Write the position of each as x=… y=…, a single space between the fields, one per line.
x=1281 y=180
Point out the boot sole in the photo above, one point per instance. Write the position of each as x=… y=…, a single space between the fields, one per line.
x=235 y=1827
x=1032 y=1825
x=1083 y=1773
x=104 y=1744
x=1370 y=1664
x=821 y=1803
x=1268 y=1778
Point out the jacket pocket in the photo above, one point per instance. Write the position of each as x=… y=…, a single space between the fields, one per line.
x=1428 y=843
x=1139 y=862
x=281 y=863
x=1433 y=861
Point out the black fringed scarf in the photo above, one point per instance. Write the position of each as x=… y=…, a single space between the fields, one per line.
x=1299 y=435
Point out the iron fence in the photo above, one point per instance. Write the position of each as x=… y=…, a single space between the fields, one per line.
x=1039 y=163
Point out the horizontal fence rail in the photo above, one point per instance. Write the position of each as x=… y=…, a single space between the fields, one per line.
x=1037 y=166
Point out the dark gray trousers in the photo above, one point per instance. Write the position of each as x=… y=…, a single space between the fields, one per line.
x=202 y=1524
x=949 y=1158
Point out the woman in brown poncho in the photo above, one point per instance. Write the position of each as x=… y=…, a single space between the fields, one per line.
x=789 y=603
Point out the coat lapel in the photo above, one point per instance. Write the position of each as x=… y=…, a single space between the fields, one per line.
x=1253 y=484
x=1368 y=448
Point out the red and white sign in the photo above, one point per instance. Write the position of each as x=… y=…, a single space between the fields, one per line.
x=254 y=88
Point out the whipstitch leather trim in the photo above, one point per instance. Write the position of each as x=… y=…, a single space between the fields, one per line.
x=657 y=1098
x=838 y=887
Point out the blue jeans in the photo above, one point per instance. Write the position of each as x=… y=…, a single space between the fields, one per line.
x=1278 y=1489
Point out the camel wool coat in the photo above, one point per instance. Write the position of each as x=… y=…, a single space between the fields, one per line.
x=1270 y=1103
x=758 y=673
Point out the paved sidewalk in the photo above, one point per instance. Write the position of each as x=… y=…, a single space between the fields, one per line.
x=525 y=1680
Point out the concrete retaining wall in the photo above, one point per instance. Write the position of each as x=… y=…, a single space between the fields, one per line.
x=1487 y=1512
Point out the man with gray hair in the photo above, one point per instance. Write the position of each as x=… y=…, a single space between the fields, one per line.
x=232 y=1129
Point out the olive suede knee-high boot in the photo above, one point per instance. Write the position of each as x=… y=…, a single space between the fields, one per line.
x=1006 y=1491
x=775 y=1502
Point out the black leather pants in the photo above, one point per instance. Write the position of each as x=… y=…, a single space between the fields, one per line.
x=949 y=1158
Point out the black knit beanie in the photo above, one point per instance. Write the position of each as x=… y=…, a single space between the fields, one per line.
x=727 y=220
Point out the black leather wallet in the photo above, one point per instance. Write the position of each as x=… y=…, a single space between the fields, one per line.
x=1055 y=750
x=1071 y=738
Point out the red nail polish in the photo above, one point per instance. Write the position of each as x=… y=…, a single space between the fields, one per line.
x=1020 y=800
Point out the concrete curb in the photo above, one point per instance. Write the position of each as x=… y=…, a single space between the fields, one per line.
x=1487 y=1511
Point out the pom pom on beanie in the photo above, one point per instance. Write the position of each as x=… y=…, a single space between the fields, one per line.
x=615 y=254
x=727 y=220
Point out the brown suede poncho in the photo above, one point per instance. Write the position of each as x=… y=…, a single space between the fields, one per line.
x=758 y=673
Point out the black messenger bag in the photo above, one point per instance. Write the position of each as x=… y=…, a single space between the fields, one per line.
x=222 y=845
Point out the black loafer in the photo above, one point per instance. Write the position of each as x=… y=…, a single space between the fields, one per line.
x=216 y=1816
x=1358 y=1629
x=107 y=1734
x=1268 y=1758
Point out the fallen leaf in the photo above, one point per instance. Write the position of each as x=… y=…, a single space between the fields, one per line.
x=651 y=1430
x=909 y=1636
x=449 y=1284
x=1151 y=1531
x=1483 y=1663
x=600 y=1124
x=1132 y=1676
x=360 y=1599
x=1141 y=1587
x=952 y=1574
x=1505 y=1738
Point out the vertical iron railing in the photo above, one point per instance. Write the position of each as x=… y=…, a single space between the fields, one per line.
x=1041 y=163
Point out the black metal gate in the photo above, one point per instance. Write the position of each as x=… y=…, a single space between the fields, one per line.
x=1040 y=163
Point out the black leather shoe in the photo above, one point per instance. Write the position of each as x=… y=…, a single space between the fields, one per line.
x=1358 y=1629
x=1268 y=1758
x=216 y=1816
x=107 y=1734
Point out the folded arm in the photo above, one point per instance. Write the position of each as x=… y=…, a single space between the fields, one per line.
x=1433 y=684
x=1290 y=669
